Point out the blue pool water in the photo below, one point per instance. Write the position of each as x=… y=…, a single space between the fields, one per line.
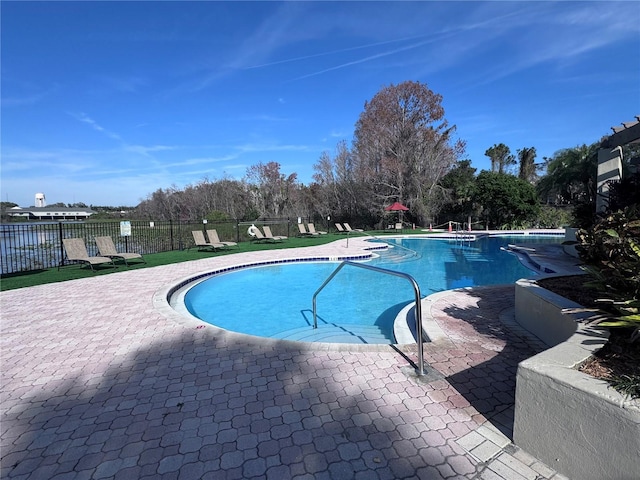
x=276 y=300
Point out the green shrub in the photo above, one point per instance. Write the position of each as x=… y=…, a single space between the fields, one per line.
x=611 y=251
x=554 y=217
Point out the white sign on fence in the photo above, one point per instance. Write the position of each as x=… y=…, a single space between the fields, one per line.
x=125 y=229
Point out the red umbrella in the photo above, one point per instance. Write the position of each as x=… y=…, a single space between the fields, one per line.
x=396 y=207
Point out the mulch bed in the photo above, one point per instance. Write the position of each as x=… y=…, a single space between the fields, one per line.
x=618 y=358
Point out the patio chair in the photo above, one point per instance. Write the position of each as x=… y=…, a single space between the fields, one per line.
x=106 y=248
x=258 y=236
x=303 y=231
x=340 y=228
x=76 y=250
x=313 y=231
x=268 y=234
x=201 y=243
x=348 y=228
x=213 y=238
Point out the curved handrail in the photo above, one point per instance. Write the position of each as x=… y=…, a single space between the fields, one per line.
x=416 y=289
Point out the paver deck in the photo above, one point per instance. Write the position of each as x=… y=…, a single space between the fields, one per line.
x=99 y=381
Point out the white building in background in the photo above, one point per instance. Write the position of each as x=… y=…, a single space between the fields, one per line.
x=42 y=212
x=40 y=200
x=51 y=213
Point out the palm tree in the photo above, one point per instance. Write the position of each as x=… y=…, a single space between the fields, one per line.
x=527 y=158
x=571 y=175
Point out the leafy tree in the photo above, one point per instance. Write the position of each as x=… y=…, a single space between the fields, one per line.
x=4 y=206
x=625 y=192
x=553 y=217
x=403 y=145
x=501 y=158
x=571 y=176
x=505 y=201
x=459 y=185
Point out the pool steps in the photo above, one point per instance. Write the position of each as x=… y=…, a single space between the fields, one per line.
x=468 y=254
x=336 y=334
x=395 y=255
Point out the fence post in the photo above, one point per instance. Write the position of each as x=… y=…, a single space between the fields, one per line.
x=171 y=233
x=61 y=246
x=237 y=230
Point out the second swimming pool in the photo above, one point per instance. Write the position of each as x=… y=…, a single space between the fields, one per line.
x=276 y=300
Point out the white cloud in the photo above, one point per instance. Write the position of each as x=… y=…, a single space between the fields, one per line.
x=93 y=124
x=24 y=100
x=147 y=150
x=249 y=147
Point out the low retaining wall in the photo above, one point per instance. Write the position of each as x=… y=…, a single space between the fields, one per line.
x=574 y=423
x=542 y=313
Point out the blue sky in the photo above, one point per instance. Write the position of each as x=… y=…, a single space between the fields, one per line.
x=105 y=102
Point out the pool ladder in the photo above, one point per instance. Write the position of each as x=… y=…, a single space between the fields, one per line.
x=416 y=290
x=462 y=236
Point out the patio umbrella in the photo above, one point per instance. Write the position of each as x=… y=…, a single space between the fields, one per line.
x=397 y=207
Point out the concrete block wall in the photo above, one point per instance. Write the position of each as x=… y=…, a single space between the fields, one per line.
x=574 y=423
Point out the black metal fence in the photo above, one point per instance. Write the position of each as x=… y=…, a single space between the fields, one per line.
x=35 y=246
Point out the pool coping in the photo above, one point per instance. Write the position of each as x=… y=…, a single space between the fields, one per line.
x=162 y=299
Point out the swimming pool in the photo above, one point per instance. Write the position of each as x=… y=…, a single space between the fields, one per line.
x=358 y=306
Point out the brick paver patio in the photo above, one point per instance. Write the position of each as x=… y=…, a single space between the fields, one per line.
x=99 y=382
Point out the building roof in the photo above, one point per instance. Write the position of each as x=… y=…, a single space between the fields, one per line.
x=54 y=209
x=628 y=133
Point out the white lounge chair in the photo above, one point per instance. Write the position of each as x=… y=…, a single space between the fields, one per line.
x=107 y=248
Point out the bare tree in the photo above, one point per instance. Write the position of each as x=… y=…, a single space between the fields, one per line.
x=336 y=189
x=403 y=146
x=158 y=205
x=271 y=191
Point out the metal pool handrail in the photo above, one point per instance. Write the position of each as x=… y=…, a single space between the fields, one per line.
x=416 y=289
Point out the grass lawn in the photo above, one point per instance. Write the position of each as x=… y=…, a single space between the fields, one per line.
x=73 y=271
